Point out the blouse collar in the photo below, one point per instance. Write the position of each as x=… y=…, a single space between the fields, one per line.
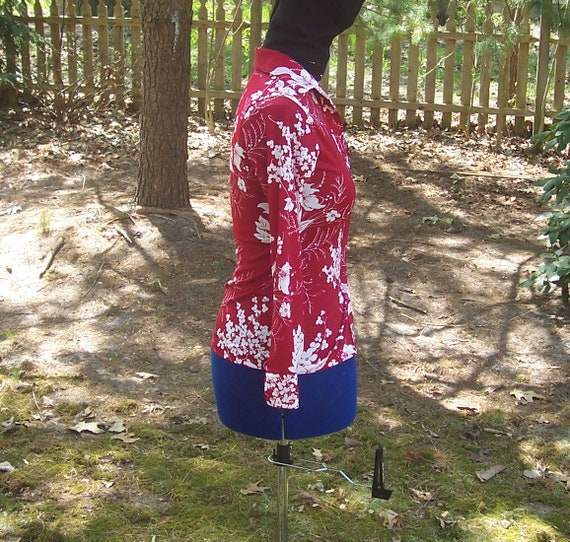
x=278 y=64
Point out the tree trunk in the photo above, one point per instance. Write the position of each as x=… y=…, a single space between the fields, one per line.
x=8 y=91
x=162 y=176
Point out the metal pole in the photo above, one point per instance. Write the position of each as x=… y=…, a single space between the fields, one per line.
x=282 y=494
x=282 y=456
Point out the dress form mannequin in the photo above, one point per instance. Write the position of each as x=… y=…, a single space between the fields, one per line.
x=283 y=352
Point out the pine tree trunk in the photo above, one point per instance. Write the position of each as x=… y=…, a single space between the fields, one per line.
x=8 y=92
x=162 y=177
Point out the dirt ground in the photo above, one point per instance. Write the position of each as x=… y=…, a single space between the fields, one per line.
x=443 y=232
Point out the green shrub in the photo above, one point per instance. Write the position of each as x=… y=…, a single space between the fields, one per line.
x=13 y=35
x=554 y=270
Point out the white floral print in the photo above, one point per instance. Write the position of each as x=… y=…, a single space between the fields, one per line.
x=286 y=309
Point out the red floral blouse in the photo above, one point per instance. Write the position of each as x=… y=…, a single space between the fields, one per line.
x=286 y=309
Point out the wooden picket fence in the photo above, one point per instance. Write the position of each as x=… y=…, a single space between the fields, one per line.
x=451 y=78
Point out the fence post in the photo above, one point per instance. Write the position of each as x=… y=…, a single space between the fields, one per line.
x=359 y=74
x=39 y=28
x=522 y=72
x=503 y=83
x=87 y=39
x=237 y=48
x=395 y=71
x=449 y=66
x=136 y=55
x=103 y=44
x=202 y=56
x=55 y=34
x=412 y=82
x=119 y=52
x=219 y=58
x=542 y=71
x=485 y=68
x=71 y=45
x=255 y=30
x=377 y=72
x=431 y=70
x=342 y=71
x=25 y=55
x=467 y=71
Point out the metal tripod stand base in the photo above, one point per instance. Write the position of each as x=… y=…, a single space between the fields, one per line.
x=284 y=461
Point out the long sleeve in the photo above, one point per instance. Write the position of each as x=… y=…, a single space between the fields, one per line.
x=292 y=154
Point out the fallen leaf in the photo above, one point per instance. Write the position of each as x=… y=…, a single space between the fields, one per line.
x=465 y=406
x=391 y=519
x=318 y=454
x=149 y=409
x=445 y=520
x=12 y=210
x=125 y=437
x=75 y=157
x=8 y=425
x=497 y=432
x=200 y=420
x=47 y=402
x=44 y=415
x=559 y=476
x=117 y=427
x=431 y=433
x=352 y=443
x=309 y=500
x=486 y=475
x=85 y=414
x=533 y=474
x=412 y=455
x=146 y=376
x=202 y=446
x=482 y=456
x=425 y=496
x=525 y=397
x=319 y=486
x=89 y=427
x=6 y=467
x=254 y=489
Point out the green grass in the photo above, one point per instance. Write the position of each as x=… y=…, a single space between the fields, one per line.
x=185 y=482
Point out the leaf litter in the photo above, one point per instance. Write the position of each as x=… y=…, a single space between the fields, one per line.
x=462 y=275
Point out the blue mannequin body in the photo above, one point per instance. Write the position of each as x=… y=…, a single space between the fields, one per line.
x=327 y=402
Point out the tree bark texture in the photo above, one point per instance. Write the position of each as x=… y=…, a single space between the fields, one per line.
x=8 y=92
x=162 y=176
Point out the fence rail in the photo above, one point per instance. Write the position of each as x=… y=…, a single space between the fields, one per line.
x=467 y=73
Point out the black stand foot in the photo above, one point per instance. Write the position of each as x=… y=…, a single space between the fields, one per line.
x=379 y=491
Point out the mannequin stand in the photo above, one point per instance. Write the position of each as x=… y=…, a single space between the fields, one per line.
x=284 y=461
x=282 y=458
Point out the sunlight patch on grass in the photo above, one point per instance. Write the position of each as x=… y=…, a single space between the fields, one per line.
x=510 y=526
